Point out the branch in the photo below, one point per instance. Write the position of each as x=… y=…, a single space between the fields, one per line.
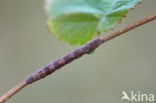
x=85 y=49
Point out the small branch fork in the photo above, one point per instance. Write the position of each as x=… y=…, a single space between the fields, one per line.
x=77 y=53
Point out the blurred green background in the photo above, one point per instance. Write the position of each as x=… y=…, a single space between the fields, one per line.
x=125 y=63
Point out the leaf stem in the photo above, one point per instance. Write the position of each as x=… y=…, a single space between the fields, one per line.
x=85 y=49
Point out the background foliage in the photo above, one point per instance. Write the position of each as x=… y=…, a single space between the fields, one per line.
x=125 y=63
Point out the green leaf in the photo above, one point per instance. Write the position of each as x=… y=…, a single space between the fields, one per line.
x=78 y=21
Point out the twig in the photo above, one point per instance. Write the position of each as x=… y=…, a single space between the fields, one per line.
x=85 y=49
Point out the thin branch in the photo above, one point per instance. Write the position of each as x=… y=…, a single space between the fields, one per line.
x=13 y=91
x=130 y=27
x=85 y=49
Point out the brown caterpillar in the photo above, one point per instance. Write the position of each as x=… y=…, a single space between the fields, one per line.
x=50 y=68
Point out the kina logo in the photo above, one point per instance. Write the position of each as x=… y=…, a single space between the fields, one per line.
x=137 y=97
